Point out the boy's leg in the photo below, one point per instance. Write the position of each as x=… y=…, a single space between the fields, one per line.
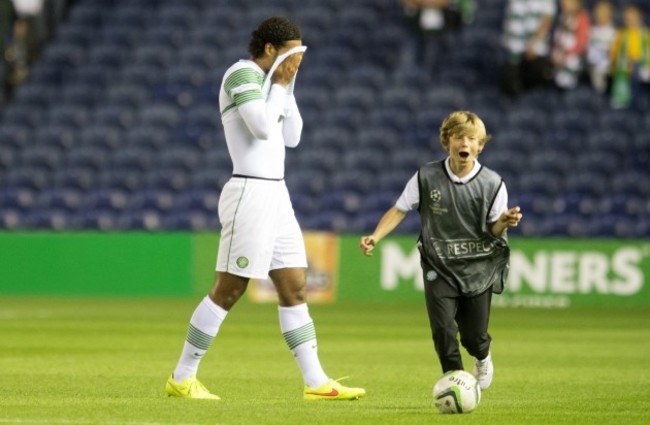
x=473 y=318
x=442 y=303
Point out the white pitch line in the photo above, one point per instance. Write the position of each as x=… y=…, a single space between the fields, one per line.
x=18 y=421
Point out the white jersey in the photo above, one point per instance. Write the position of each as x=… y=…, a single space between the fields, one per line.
x=410 y=197
x=257 y=129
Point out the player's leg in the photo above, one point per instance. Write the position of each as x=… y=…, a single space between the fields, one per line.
x=442 y=299
x=299 y=333
x=203 y=328
x=288 y=272
x=473 y=318
x=244 y=251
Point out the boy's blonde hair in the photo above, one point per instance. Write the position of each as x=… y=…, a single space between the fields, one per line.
x=463 y=123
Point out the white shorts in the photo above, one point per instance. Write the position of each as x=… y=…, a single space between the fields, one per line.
x=259 y=230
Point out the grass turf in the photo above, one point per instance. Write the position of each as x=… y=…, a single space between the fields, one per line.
x=105 y=361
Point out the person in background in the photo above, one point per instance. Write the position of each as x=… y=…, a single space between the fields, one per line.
x=570 y=41
x=527 y=27
x=7 y=20
x=601 y=38
x=630 y=58
x=429 y=19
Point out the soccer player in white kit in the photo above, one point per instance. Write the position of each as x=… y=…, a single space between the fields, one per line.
x=260 y=235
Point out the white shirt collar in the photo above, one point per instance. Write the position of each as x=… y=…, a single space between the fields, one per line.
x=454 y=178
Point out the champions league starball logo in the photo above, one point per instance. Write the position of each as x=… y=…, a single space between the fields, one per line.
x=436 y=208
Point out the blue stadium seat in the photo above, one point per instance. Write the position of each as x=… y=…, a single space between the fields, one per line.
x=192 y=220
x=121 y=116
x=17 y=199
x=108 y=137
x=109 y=56
x=365 y=158
x=48 y=219
x=93 y=157
x=39 y=156
x=205 y=200
x=68 y=116
x=82 y=95
x=24 y=115
x=109 y=200
x=184 y=157
x=159 y=115
x=159 y=55
x=144 y=77
x=307 y=182
x=33 y=178
x=136 y=157
x=341 y=200
x=131 y=94
x=148 y=136
x=149 y=220
x=126 y=178
x=101 y=220
x=172 y=179
x=160 y=200
x=60 y=199
x=75 y=177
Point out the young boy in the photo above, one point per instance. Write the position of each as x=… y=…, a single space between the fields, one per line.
x=463 y=244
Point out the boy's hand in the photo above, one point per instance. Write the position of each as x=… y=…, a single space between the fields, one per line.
x=367 y=244
x=512 y=217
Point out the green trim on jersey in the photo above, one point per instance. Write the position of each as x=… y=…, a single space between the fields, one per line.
x=239 y=78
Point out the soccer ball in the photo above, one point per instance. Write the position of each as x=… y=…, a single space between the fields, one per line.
x=457 y=391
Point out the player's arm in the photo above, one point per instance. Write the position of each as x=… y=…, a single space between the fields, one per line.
x=387 y=224
x=292 y=123
x=259 y=115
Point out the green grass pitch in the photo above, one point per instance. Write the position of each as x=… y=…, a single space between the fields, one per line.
x=105 y=361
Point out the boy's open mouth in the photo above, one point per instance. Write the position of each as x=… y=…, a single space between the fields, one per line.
x=464 y=155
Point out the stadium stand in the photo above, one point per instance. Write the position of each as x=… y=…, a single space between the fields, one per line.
x=117 y=127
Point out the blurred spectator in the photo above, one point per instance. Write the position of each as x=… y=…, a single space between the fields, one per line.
x=18 y=56
x=630 y=57
x=7 y=19
x=526 y=38
x=570 y=41
x=35 y=23
x=429 y=18
x=601 y=38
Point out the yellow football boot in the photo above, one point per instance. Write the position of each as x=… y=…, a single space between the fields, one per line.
x=189 y=388
x=333 y=390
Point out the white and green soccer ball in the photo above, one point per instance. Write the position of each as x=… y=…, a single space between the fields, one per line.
x=457 y=391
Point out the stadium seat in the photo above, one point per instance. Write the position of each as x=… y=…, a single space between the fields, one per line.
x=94 y=157
x=108 y=137
x=60 y=199
x=28 y=177
x=17 y=199
x=41 y=156
x=78 y=177
x=24 y=115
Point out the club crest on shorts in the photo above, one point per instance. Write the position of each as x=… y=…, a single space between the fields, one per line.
x=431 y=276
x=242 y=262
